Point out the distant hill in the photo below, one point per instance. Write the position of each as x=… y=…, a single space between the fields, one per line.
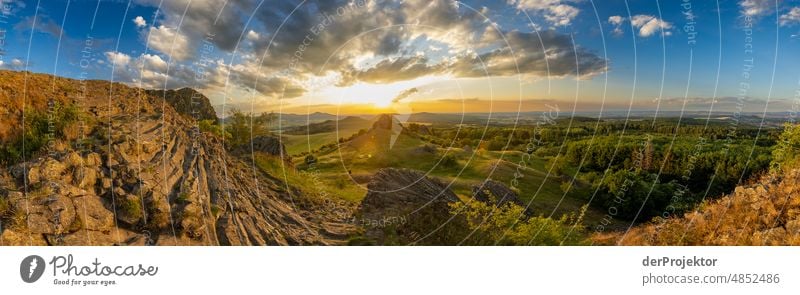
x=347 y=123
x=294 y=120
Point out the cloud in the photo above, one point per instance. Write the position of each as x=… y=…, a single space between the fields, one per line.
x=15 y=64
x=359 y=41
x=554 y=11
x=253 y=36
x=44 y=25
x=528 y=54
x=649 y=25
x=152 y=61
x=756 y=8
x=722 y=103
x=199 y=19
x=170 y=42
x=118 y=59
x=790 y=18
x=139 y=21
x=405 y=94
x=616 y=21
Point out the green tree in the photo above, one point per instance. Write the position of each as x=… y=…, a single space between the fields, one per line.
x=508 y=225
x=784 y=155
x=243 y=127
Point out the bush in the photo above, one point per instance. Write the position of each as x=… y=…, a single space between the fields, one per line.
x=449 y=161
x=211 y=126
x=507 y=225
x=132 y=208
x=40 y=127
x=310 y=160
x=5 y=207
x=785 y=155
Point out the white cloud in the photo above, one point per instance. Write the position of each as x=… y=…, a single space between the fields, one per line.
x=170 y=42
x=17 y=63
x=555 y=11
x=756 y=8
x=139 y=21
x=253 y=36
x=616 y=21
x=791 y=17
x=152 y=61
x=118 y=59
x=649 y=25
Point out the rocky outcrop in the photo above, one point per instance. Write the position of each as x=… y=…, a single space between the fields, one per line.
x=495 y=193
x=764 y=213
x=269 y=145
x=424 y=130
x=384 y=121
x=145 y=176
x=404 y=206
x=187 y=102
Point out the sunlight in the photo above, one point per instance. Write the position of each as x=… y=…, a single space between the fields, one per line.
x=380 y=96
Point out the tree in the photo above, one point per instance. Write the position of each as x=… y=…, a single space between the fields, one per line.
x=243 y=127
x=784 y=155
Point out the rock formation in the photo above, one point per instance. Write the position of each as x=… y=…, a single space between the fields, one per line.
x=764 y=213
x=188 y=102
x=404 y=206
x=145 y=175
x=270 y=145
x=497 y=193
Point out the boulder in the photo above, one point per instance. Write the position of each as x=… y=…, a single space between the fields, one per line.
x=404 y=205
x=269 y=145
x=496 y=193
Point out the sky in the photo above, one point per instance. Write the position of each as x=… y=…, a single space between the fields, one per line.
x=369 y=56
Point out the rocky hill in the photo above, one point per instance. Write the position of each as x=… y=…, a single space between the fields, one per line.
x=187 y=101
x=766 y=212
x=137 y=172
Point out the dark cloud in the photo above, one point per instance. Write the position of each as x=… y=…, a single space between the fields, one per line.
x=372 y=41
x=220 y=21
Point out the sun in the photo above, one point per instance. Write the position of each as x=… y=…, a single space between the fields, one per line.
x=382 y=103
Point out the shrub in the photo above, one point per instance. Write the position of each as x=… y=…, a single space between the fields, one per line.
x=211 y=126
x=40 y=127
x=310 y=160
x=182 y=198
x=449 y=161
x=132 y=208
x=5 y=207
x=785 y=155
x=215 y=210
x=507 y=225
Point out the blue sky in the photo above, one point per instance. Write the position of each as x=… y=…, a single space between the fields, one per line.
x=443 y=50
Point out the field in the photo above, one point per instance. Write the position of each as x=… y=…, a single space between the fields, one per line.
x=576 y=162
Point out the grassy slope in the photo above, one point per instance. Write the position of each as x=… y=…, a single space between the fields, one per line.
x=296 y=144
x=364 y=156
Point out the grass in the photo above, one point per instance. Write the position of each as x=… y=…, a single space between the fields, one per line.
x=182 y=198
x=296 y=144
x=534 y=185
x=131 y=207
x=40 y=126
x=313 y=182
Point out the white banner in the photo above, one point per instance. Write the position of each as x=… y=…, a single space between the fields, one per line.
x=399 y=270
